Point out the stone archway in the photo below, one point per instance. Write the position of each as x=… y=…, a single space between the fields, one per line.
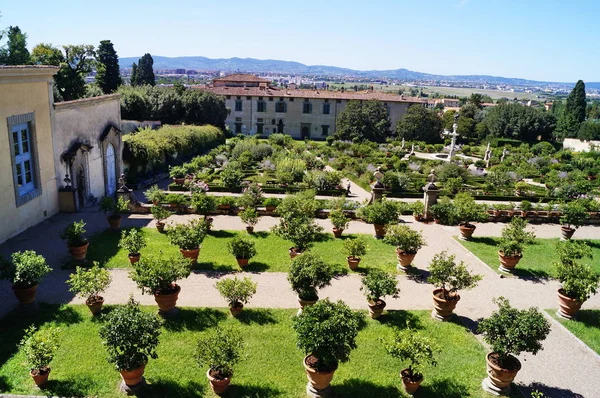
x=110 y=141
x=76 y=159
x=280 y=126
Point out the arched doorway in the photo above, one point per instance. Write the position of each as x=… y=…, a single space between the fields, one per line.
x=280 y=126
x=81 y=186
x=305 y=132
x=111 y=170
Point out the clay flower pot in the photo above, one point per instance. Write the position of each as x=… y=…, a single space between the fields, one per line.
x=508 y=263
x=249 y=229
x=40 y=376
x=134 y=257
x=294 y=252
x=337 y=232
x=95 y=306
x=236 y=309
x=404 y=259
x=79 y=252
x=242 y=262
x=353 y=262
x=160 y=227
x=318 y=380
x=224 y=207
x=179 y=181
x=219 y=386
x=466 y=231
x=567 y=233
x=443 y=309
x=568 y=307
x=114 y=221
x=410 y=384
x=379 y=231
x=166 y=302
x=191 y=254
x=499 y=379
x=304 y=303
x=376 y=308
x=133 y=377
x=26 y=295
x=270 y=209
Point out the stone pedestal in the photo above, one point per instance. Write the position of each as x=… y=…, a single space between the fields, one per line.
x=429 y=199
x=132 y=390
x=66 y=201
x=376 y=194
x=169 y=314
x=314 y=393
x=487 y=386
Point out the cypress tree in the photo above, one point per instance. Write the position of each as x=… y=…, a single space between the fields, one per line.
x=144 y=72
x=15 y=51
x=108 y=75
x=134 y=74
x=573 y=114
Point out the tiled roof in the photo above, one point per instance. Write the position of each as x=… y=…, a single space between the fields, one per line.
x=241 y=77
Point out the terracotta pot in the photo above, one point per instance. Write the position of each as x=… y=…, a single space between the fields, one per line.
x=524 y=214
x=218 y=386
x=249 y=229
x=167 y=302
x=379 y=230
x=224 y=207
x=304 y=303
x=466 y=231
x=437 y=220
x=294 y=252
x=376 y=309
x=353 y=262
x=410 y=386
x=418 y=217
x=568 y=307
x=114 y=221
x=567 y=232
x=337 y=232
x=319 y=380
x=498 y=378
x=191 y=254
x=270 y=208
x=133 y=377
x=242 y=262
x=508 y=263
x=134 y=257
x=404 y=258
x=26 y=295
x=160 y=227
x=179 y=181
x=41 y=377
x=79 y=252
x=443 y=309
x=236 y=309
x=96 y=306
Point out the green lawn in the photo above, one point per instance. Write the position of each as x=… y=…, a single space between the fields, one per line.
x=537 y=258
x=586 y=327
x=272 y=251
x=272 y=366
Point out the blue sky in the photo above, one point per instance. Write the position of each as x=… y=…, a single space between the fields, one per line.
x=552 y=40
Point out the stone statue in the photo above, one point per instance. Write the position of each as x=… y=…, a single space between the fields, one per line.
x=412 y=150
x=432 y=177
x=402 y=143
x=122 y=182
x=504 y=153
x=378 y=176
x=488 y=154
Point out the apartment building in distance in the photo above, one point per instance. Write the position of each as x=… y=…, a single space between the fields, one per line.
x=261 y=109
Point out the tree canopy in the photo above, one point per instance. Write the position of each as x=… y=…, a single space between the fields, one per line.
x=108 y=76
x=15 y=51
x=519 y=122
x=573 y=113
x=143 y=72
x=367 y=120
x=419 y=124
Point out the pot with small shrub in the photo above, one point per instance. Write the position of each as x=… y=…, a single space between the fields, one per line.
x=444 y=212
x=157 y=275
x=380 y=214
x=271 y=204
x=177 y=173
x=189 y=237
x=448 y=277
x=160 y=214
x=204 y=204
x=407 y=242
x=25 y=270
x=354 y=248
x=249 y=216
x=78 y=244
x=521 y=188
x=418 y=208
x=133 y=242
x=339 y=220
x=511 y=244
x=326 y=333
x=377 y=284
x=252 y=196
x=130 y=336
x=236 y=292
x=578 y=280
x=226 y=202
x=112 y=209
x=509 y=332
x=219 y=349
x=573 y=216
x=467 y=211
x=307 y=274
x=155 y=195
x=526 y=208
x=88 y=284
x=243 y=249
x=176 y=200
x=39 y=347
x=415 y=348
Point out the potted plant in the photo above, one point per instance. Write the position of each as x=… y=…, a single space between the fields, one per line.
x=249 y=216
x=157 y=275
x=417 y=349
x=509 y=332
x=407 y=242
x=271 y=204
x=130 y=336
x=326 y=333
x=307 y=274
x=377 y=284
x=526 y=207
x=88 y=284
x=521 y=188
x=243 y=249
x=78 y=244
x=226 y=202
x=578 y=280
x=220 y=349
x=39 y=347
x=204 y=204
x=177 y=173
x=26 y=270
x=252 y=196
x=573 y=216
x=176 y=200
x=444 y=212
x=468 y=211
x=112 y=209
x=511 y=244
x=155 y=195
x=339 y=220
x=448 y=278
x=160 y=214
x=354 y=248
x=379 y=214
x=418 y=208
x=237 y=292
x=188 y=237
x=133 y=242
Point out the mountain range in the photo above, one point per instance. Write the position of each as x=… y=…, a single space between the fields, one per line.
x=296 y=68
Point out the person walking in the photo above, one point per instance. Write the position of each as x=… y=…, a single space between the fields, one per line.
x=348 y=188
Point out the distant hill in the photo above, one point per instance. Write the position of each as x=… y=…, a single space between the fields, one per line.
x=290 y=67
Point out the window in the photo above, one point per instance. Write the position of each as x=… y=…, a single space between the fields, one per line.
x=25 y=174
x=238 y=119
x=326 y=108
x=259 y=128
x=273 y=122
x=270 y=98
x=238 y=105
x=248 y=98
x=261 y=106
x=280 y=107
x=292 y=99
x=338 y=101
x=238 y=128
x=306 y=107
x=324 y=130
x=228 y=96
x=239 y=97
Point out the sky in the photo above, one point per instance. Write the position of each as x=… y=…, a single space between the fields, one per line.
x=548 y=40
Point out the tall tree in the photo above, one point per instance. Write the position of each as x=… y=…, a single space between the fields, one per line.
x=419 y=124
x=518 y=122
x=108 y=76
x=15 y=51
x=367 y=120
x=476 y=99
x=573 y=114
x=143 y=73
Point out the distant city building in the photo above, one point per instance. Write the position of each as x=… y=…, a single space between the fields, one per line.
x=180 y=71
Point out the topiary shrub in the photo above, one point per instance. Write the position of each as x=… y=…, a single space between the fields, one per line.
x=158 y=274
x=578 y=280
x=404 y=238
x=449 y=276
x=308 y=273
x=377 y=284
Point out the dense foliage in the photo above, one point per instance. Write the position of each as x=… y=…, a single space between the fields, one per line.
x=108 y=76
x=578 y=280
x=364 y=120
x=378 y=284
x=308 y=273
x=236 y=290
x=39 y=346
x=242 y=247
x=404 y=238
x=514 y=238
x=220 y=349
x=449 y=276
x=26 y=269
x=157 y=274
x=132 y=241
x=296 y=222
x=188 y=236
x=414 y=347
x=89 y=283
x=419 y=124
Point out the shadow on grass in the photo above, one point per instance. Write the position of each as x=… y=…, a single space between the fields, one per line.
x=485 y=240
x=256 y=266
x=401 y=319
x=168 y=388
x=260 y=316
x=4 y=385
x=196 y=319
x=75 y=388
x=589 y=317
x=261 y=234
x=222 y=234
x=252 y=391
x=103 y=247
x=547 y=391
x=466 y=322
x=363 y=388
x=446 y=388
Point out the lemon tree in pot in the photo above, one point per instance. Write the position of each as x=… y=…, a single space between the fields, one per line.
x=468 y=211
x=130 y=336
x=160 y=214
x=204 y=204
x=418 y=208
x=243 y=249
x=157 y=275
x=339 y=220
x=573 y=216
x=39 y=347
x=578 y=280
x=188 y=237
x=512 y=242
x=414 y=348
x=237 y=292
x=326 y=333
x=377 y=284
x=25 y=270
x=88 y=284
x=112 y=209
x=155 y=195
x=77 y=243
x=249 y=216
x=354 y=248
x=448 y=277
x=379 y=214
x=509 y=332
x=133 y=242
x=307 y=274
x=407 y=242
x=220 y=349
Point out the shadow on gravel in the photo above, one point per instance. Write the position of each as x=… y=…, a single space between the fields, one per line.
x=548 y=391
x=417 y=275
x=466 y=322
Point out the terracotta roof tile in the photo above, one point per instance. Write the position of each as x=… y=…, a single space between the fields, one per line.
x=241 y=77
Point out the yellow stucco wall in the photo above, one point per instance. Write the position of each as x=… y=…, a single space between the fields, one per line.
x=25 y=90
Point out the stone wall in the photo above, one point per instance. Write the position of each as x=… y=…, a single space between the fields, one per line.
x=580 y=145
